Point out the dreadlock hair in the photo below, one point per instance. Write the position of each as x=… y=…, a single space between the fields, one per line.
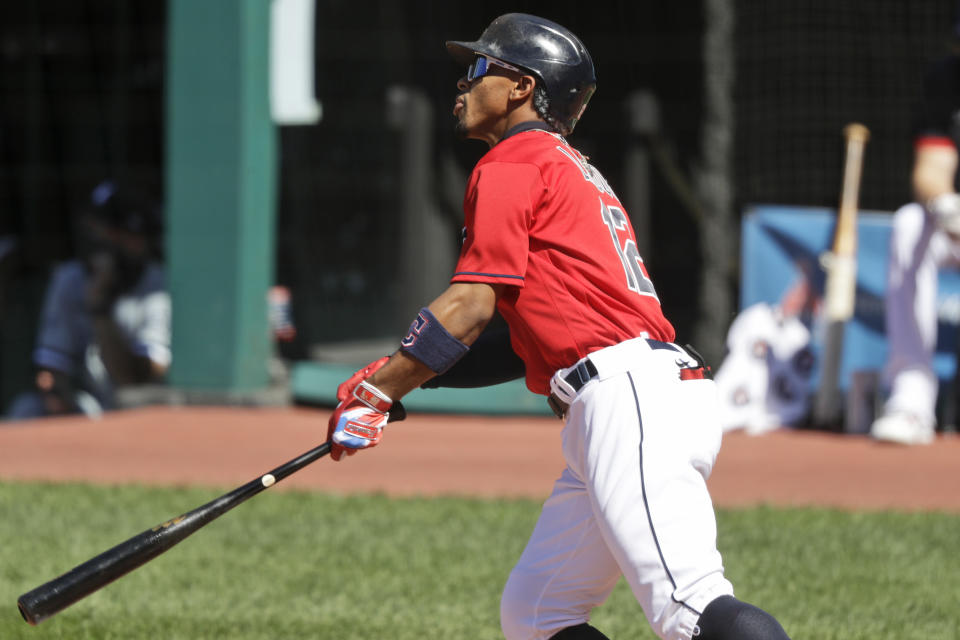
x=541 y=102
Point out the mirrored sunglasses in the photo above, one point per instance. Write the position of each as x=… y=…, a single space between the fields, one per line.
x=482 y=64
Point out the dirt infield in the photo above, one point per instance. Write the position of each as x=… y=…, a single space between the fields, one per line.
x=456 y=455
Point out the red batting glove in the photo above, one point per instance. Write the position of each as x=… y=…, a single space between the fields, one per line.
x=345 y=390
x=345 y=394
x=358 y=421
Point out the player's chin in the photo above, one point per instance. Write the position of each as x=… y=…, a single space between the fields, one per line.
x=461 y=129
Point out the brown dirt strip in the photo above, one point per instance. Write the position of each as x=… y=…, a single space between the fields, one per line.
x=456 y=455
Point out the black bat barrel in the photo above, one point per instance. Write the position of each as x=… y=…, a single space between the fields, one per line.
x=49 y=598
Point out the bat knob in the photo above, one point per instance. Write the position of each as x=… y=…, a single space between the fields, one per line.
x=856 y=131
x=25 y=612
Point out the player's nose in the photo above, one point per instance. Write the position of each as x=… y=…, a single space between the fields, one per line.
x=462 y=83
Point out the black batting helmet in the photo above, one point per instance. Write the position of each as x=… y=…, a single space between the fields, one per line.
x=550 y=52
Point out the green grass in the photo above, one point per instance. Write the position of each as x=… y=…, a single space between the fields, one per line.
x=299 y=565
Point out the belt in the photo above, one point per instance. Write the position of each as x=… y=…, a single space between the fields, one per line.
x=585 y=371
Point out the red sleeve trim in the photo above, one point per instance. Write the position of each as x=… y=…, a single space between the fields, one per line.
x=934 y=141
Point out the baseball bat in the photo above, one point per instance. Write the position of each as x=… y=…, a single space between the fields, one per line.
x=841 y=284
x=54 y=596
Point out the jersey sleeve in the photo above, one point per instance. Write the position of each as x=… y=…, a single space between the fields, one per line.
x=64 y=329
x=145 y=316
x=152 y=337
x=498 y=212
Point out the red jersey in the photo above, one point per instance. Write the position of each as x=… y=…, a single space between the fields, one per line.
x=542 y=220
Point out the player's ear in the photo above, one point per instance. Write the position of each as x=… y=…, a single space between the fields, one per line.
x=523 y=88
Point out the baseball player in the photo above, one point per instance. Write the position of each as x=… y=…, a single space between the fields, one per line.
x=548 y=245
x=925 y=237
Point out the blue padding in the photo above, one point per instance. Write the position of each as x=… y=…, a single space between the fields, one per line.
x=782 y=244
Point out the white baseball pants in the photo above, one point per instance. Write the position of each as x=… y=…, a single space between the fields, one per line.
x=918 y=248
x=639 y=444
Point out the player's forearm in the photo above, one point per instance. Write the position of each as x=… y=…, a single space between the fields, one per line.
x=464 y=309
x=401 y=375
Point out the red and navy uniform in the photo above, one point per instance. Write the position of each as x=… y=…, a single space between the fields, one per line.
x=543 y=221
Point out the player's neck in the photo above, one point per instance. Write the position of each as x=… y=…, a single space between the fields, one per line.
x=516 y=117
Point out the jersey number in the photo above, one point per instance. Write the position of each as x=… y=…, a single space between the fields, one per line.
x=637 y=280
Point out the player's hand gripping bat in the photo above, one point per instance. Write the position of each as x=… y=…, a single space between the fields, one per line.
x=58 y=594
x=841 y=284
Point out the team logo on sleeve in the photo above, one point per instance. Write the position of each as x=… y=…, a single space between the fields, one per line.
x=416 y=328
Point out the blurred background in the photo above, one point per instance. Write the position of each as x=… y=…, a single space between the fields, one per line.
x=704 y=108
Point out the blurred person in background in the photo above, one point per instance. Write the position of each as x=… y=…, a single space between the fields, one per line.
x=925 y=237
x=105 y=321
